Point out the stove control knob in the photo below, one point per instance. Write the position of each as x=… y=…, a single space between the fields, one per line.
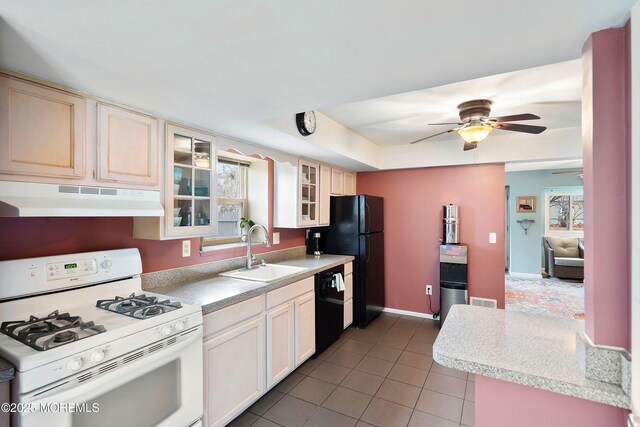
x=106 y=264
x=166 y=331
x=179 y=326
x=98 y=356
x=75 y=364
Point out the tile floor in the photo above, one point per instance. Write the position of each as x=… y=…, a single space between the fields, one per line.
x=382 y=375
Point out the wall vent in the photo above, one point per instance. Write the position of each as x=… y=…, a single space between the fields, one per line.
x=483 y=302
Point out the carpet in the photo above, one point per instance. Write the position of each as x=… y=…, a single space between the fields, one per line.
x=544 y=296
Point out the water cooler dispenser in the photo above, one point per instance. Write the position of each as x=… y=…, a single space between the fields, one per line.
x=453 y=264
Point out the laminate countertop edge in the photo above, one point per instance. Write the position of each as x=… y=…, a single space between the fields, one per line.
x=462 y=345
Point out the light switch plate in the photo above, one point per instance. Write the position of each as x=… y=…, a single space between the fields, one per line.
x=186 y=248
x=492 y=237
x=276 y=238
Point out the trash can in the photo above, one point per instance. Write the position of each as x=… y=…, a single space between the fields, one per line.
x=451 y=293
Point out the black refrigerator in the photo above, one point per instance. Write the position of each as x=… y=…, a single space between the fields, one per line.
x=357 y=228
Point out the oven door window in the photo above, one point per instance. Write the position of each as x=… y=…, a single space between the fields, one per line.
x=144 y=401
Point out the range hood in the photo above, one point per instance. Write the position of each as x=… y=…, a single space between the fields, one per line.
x=52 y=200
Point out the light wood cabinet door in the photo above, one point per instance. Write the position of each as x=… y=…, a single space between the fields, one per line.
x=280 y=348
x=349 y=180
x=337 y=182
x=42 y=131
x=348 y=313
x=234 y=371
x=325 y=194
x=305 y=307
x=128 y=147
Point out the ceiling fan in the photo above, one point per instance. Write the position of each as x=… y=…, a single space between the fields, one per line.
x=579 y=172
x=475 y=124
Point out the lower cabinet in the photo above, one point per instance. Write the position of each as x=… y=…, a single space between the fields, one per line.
x=280 y=343
x=251 y=346
x=348 y=294
x=234 y=371
x=305 y=327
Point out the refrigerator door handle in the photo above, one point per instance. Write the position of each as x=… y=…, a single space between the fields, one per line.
x=367 y=218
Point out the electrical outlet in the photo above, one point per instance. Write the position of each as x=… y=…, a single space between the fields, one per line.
x=276 y=238
x=429 y=290
x=186 y=248
x=492 y=237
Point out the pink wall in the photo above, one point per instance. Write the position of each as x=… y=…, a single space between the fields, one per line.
x=413 y=220
x=33 y=237
x=606 y=148
x=503 y=404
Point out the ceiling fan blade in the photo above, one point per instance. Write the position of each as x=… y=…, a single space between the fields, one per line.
x=567 y=171
x=469 y=146
x=515 y=118
x=438 y=124
x=520 y=128
x=431 y=136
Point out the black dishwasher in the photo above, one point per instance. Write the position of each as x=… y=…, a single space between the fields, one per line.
x=329 y=308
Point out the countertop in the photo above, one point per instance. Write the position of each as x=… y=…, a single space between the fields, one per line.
x=528 y=349
x=7 y=371
x=218 y=292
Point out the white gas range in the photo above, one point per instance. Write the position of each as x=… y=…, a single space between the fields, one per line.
x=92 y=349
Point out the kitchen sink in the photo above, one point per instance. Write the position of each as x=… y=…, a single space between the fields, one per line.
x=264 y=273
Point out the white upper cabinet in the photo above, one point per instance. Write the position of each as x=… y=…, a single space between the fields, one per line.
x=349 y=183
x=297 y=194
x=325 y=194
x=128 y=147
x=42 y=131
x=337 y=182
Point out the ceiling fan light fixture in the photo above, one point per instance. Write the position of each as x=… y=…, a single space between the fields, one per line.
x=475 y=133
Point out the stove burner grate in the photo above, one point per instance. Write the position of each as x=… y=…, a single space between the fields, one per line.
x=51 y=331
x=138 y=307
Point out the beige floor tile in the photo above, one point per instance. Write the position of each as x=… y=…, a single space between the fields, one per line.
x=290 y=412
x=243 y=420
x=330 y=372
x=446 y=384
x=347 y=402
x=356 y=346
x=348 y=359
x=400 y=393
x=422 y=419
x=393 y=341
x=308 y=366
x=265 y=402
x=388 y=315
x=419 y=347
x=436 y=367
x=312 y=390
x=385 y=353
x=414 y=325
x=368 y=335
x=441 y=405
x=349 y=332
x=262 y=422
x=425 y=335
x=386 y=414
x=362 y=424
x=470 y=392
x=362 y=382
x=289 y=382
x=326 y=418
x=408 y=375
x=375 y=366
x=328 y=352
x=415 y=360
x=401 y=332
x=469 y=414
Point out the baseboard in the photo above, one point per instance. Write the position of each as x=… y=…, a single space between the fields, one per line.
x=410 y=313
x=524 y=275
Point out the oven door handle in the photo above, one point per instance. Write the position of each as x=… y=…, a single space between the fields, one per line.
x=89 y=389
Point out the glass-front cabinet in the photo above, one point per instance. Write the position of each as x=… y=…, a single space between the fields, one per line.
x=190 y=187
x=309 y=188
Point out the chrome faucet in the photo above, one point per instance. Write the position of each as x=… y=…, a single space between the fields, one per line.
x=267 y=243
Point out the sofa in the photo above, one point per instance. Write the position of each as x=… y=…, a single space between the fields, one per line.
x=564 y=257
